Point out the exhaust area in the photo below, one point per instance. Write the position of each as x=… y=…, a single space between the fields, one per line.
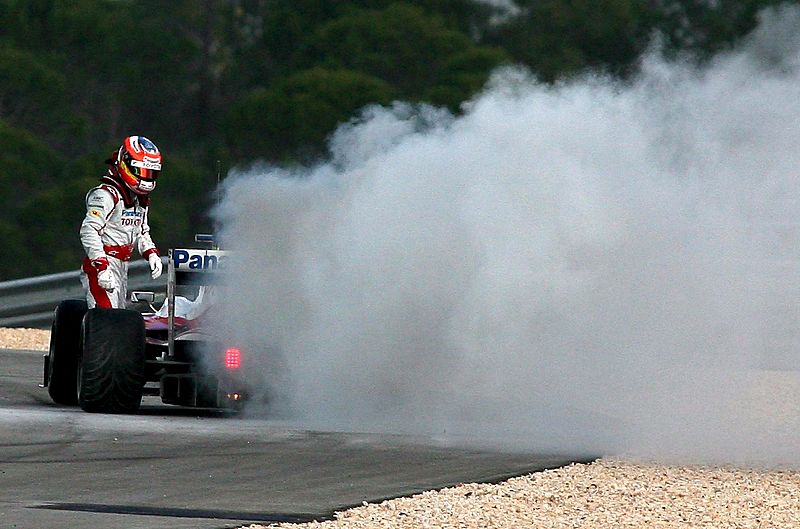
x=597 y=267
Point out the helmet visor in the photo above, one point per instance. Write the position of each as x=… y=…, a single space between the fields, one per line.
x=145 y=169
x=139 y=179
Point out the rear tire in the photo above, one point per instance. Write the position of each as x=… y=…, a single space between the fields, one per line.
x=65 y=350
x=112 y=370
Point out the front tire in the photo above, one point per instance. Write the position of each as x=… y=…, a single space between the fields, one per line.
x=112 y=370
x=65 y=350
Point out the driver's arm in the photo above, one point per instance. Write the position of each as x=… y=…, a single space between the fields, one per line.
x=99 y=207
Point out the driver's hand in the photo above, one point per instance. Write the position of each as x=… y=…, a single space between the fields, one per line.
x=106 y=280
x=155 y=265
x=104 y=276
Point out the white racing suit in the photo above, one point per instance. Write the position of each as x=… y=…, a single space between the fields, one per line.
x=112 y=229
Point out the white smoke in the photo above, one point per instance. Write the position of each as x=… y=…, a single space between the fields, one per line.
x=504 y=9
x=592 y=268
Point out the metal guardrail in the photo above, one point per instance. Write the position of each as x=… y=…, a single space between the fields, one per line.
x=30 y=302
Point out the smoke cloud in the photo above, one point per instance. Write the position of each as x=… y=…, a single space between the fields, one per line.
x=505 y=9
x=594 y=268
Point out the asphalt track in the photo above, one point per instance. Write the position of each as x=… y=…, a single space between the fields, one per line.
x=177 y=468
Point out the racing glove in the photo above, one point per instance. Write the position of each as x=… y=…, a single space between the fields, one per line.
x=155 y=265
x=104 y=276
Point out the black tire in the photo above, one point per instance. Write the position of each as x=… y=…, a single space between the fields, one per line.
x=112 y=372
x=65 y=350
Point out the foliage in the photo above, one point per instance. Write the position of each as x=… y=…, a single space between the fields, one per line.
x=399 y=44
x=300 y=111
x=705 y=28
x=26 y=166
x=27 y=87
x=239 y=80
x=557 y=38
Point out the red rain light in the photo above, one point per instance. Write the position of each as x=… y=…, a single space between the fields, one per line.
x=233 y=358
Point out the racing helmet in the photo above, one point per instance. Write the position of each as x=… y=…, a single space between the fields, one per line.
x=138 y=163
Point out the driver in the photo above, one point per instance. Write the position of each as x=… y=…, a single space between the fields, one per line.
x=116 y=223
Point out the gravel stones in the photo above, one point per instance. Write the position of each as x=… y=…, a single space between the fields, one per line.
x=609 y=493
x=27 y=339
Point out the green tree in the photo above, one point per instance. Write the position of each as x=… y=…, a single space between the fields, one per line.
x=705 y=28
x=463 y=74
x=294 y=117
x=182 y=202
x=52 y=216
x=235 y=80
x=15 y=252
x=31 y=93
x=561 y=37
x=27 y=168
x=286 y=25
x=400 y=44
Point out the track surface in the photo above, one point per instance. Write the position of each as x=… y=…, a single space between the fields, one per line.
x=176 y=468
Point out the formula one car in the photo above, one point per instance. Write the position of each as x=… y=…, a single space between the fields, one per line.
x=105 y=360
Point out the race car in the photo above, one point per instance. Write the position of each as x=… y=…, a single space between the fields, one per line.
x=106 y=360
